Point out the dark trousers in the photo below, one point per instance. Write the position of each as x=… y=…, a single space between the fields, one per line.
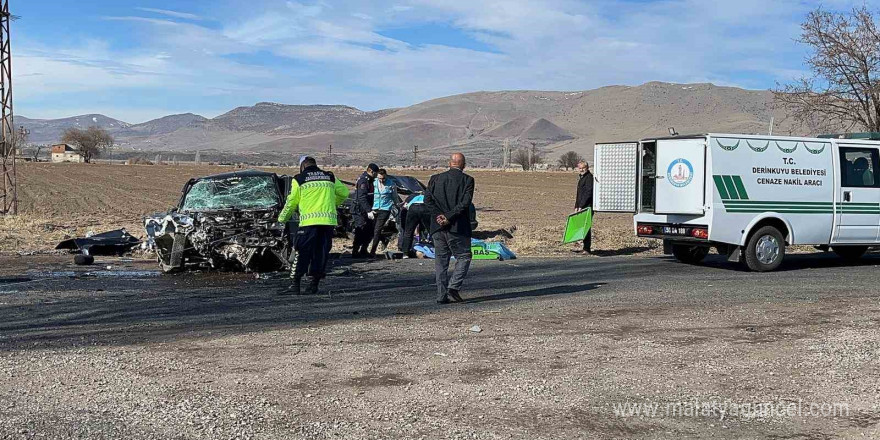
x=381 y=218
x=312 y=245
x=363 y=233
x=588 y=240
x=417 y=216
x=447 y=244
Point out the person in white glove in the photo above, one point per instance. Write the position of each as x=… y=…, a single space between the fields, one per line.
x=384 y=198
x=371 y=215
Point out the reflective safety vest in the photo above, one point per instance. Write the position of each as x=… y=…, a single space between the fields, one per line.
x=315 y=194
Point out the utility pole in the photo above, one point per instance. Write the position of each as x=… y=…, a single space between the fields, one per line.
x=531 y=161
x=9 y=203
x=198 y=159
x=505 y=154
x=415 y=155
x=330 y=155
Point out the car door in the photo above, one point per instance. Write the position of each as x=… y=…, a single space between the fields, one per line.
x=858 y=207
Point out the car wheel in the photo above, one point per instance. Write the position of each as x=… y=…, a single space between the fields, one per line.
x=165 y=267
x=765 y=249
x=689 y=254
x=850 y=253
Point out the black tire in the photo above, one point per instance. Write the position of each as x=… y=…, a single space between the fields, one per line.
x=83 y=260
x=850 y=253
x=759 y=252
x=689 y=254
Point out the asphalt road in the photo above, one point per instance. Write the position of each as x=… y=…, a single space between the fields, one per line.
x=563 y=345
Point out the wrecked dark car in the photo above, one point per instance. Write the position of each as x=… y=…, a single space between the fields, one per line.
x=225 y=221
x=406 y=186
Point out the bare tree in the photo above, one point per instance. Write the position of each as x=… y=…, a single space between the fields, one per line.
x=843 y=90
x=527 y=157
x=570 y=160
x=89 y=143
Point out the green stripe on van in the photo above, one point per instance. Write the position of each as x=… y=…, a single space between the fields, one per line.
x=719 y=185
x=731 y=188
x=740 y=188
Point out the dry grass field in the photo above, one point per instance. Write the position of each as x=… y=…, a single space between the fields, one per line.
x=59 y=201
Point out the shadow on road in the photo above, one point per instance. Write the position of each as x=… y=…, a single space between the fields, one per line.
x=103 y=311
x=795 y=262
x=556 y=290
x=632 y=250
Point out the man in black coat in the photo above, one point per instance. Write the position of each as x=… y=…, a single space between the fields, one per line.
x=448 y=198
x=360 y=210
x=585 y=199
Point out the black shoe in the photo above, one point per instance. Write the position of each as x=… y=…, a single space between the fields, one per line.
x=443 y=301
x=293 y=289
x=312 y=288
x=455 y=296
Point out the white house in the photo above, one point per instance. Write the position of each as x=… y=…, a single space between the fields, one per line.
x=65 y=153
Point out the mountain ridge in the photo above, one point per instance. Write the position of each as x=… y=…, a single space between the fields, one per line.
x=477 y=123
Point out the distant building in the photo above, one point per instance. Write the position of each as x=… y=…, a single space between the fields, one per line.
x=65 y=153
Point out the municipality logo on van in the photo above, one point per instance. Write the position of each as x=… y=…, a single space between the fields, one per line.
x=680 y=173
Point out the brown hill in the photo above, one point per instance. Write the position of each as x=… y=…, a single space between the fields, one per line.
x=480 y=122
x=477 y=123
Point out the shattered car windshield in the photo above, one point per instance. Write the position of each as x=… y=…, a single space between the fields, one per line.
x=232 y=193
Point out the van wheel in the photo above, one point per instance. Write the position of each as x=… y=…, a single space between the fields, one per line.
x=850 y=253
x=689 y=254
x=765 y=249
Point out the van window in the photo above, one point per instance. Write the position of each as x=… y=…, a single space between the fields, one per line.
x=858 y=167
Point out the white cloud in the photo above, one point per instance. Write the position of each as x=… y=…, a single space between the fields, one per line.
x=326 y=52
x=175 y=14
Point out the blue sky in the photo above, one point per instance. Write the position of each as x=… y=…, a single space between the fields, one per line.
x=140 y=59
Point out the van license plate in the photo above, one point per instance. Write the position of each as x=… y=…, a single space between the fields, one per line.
x=671 y=230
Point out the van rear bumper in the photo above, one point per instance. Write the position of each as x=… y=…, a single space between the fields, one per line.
x=674 y=232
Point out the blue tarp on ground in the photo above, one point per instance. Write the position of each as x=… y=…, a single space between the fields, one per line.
x=481 y=250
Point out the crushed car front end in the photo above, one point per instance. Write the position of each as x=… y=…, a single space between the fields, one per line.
x=227 y=222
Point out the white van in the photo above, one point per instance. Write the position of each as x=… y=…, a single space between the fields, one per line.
x=748 y=196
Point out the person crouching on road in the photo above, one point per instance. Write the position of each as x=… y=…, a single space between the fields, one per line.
x=360 y=209
x=316 y=194
x=384 y=198
x=448 y=198
x=417 y=216
x=584 y=200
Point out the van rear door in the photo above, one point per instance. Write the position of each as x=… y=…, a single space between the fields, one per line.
x=615 y=170
x=681 y=174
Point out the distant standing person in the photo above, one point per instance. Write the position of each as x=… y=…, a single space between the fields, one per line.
x=448 y=199
x=315 y=194
x=384 y=198
x=360 y=210
x=584 y=200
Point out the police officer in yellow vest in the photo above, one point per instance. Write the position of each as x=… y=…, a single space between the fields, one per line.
x=315 y=194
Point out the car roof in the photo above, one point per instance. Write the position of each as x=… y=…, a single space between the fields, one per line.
x=242 y=173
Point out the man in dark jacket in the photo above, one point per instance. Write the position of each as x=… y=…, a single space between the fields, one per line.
x=448 y=199
x=360 y=209
x=585 y=199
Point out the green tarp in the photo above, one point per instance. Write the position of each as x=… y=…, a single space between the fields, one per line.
x=578 y=225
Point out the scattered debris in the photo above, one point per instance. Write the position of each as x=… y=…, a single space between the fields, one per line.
x=116 y=242
x=476 y=329
x=83 y=260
